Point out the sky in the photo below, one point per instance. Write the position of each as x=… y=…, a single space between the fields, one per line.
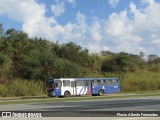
x=99 y=25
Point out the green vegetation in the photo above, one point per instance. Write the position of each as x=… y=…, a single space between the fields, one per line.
x=26 y=64
x=21 y=87
x=140 y=81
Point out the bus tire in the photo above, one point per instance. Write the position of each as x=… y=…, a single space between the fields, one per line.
x=67 y=94
x=60 y=96
x=101 y=92
x=94 y=94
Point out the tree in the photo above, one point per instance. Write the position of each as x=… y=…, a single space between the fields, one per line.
x=5 y=68
x=74 y=53
x=105 y=53
x=119 y=63
x=141 y=55
x=30 y=67
x=1 y=30
x=152 y=57
x=153 y=63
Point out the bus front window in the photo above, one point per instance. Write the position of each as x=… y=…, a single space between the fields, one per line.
x=50 y=86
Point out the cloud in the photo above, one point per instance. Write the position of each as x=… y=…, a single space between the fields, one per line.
x=73 y=2
x=95 y=31
x=22 y=10
x=58 y=9
x=73 y=31
x=31 y=15
x=40 y=28
x=113 y=3
x=133 y=30
x=95 y=47
x=156 y=41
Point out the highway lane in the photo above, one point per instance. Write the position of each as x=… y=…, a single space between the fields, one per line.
x=85 y=107
x=120 y=104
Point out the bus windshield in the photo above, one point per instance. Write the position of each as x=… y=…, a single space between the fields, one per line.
x=51 y=85
x=54 y=84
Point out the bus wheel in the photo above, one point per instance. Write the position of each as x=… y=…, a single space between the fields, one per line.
x=67 y=94
x=100 y=92
x=94 y=94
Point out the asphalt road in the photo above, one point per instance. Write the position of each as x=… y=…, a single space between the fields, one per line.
x=91 y=108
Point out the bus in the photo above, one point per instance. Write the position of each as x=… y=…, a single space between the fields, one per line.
x=65 y=87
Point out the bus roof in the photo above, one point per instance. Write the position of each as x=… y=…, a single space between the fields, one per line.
x=83 y=78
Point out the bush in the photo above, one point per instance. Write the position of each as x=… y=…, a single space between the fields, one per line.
x=3 y=91
x=140 y=81
x=22 y=88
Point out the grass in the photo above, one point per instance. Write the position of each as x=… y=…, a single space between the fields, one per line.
x=140 y=81
x=55 y=99
x=134 y=82
x=19 y=87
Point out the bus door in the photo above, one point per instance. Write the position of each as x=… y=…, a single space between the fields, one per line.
x=57 y=90
x=109 y=86
x=115 y=85
x=73 y=88
x=80 y=87
x=88 y=87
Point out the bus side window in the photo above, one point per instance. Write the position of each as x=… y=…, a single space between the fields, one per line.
x=72 y=83
x=95 y=82
x=108 y=82
x=102 y=82
x=88 y=83
x=114 y=82
x=66 y=83
x=79 y=83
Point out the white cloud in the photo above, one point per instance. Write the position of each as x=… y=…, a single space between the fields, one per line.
x=58 y=9
x=133 y=30
x=96 y=48
x=120 y=32
x=117 y=24
x=156 y=41
x=148 y=1
x=95 y=31
x=113 y=3
x=31 y=15
x=40 y=28
x=81 y=20
x=73 y=2
x=22 y=10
